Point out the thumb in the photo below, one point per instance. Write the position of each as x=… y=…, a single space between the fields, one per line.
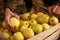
x=15 y=15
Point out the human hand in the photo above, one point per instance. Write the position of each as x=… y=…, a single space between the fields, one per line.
x=8 y=15
x=54 y=10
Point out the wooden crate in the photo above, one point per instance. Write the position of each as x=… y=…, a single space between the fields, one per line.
x=51 y=34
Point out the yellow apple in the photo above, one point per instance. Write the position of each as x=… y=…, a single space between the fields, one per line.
x=23 y=28
x=40 y=13
x=15 y=22
x=25 y=23
x=18 y=36
x=37 y=28
x=54 y=20
x=25 y=16
x=43 y=19
x=28 y=33
x=45 y=26
x=33 y=16
x=32 y=22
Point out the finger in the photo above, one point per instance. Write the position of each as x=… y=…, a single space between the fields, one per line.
x=58 y=10
x=9 y=24
x=54 y=9
x=15 y=15
x=49 y=10
x=10 y=29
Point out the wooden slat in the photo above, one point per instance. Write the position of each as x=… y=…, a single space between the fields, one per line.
x=46 y=33
x=53 y=36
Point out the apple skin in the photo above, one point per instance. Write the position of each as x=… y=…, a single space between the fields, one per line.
x=53 y=20
x=45 y=26
x=18 y=36
x=28 y=33
x=40 y=14
x=32 y=22
x=33 y=16
x=23 y=28
x=43 y=19
x=24 y=23
x=37 y=28
x=15 y=22
x=26 y=16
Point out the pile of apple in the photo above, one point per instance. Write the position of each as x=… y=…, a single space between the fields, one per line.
x=29 y=25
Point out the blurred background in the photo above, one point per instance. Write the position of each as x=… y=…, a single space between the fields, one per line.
x=17 y=6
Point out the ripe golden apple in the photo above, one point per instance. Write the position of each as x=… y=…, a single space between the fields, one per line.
x=15 y=22
x=37 y=28
x=40 y=13
x=45 y=26
x=54 y=20
x=28 y=33
x=25 y=23
x=32 y=22
x=43 y=19
x=33 y=16
x=18 y=36
x=25 y=16
x=23 y=28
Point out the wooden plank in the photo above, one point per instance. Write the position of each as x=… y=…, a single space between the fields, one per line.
x=46 y=33
x=53 y=36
